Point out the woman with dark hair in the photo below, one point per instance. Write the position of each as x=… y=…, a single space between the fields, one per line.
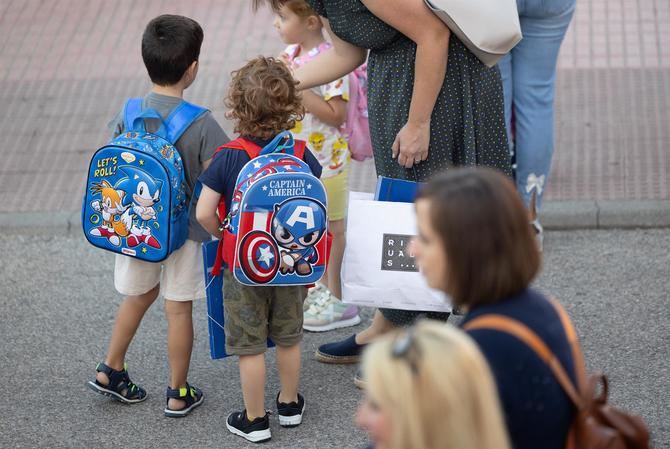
x=432 y=105
x=475 y=244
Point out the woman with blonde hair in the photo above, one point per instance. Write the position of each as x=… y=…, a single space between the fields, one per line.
x=430 y=388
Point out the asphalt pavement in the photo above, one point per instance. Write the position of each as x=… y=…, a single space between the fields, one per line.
x=59 y=305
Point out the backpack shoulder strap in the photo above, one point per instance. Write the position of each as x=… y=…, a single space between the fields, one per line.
x=181 y=118
x=243 y=144
x=299 y=147
x=529 y=338
x=577 y=354
x=131 y=110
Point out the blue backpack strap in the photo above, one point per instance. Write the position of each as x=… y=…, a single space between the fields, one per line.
x=181 y=118
x=131 y=111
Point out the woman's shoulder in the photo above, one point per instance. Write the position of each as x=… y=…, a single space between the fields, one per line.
x=527 y=303
x=530 y=307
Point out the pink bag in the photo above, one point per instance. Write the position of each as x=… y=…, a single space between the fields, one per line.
x=356 y=129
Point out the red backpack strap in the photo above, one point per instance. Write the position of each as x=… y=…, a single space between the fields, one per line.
x=299 y=147
x=252 y=151
x=243 y=144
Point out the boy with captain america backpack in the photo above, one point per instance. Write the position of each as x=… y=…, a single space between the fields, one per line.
x=264 y=103
x=128 y=210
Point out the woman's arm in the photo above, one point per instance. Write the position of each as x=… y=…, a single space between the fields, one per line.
x=432 y=40
x=332 y=64
x=205 y=211
x=332 y=112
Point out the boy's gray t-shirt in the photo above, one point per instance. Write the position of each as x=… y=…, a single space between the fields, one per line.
x=196 y=145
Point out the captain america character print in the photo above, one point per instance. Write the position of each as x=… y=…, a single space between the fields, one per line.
x=290 y=249
x=297 y=226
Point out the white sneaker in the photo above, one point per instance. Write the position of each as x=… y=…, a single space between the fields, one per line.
x=326 y=312
x=312 y=294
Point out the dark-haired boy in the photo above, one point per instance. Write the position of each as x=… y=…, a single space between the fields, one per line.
x=170 y=50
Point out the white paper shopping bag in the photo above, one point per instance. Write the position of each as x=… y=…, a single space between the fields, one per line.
x=378 y=269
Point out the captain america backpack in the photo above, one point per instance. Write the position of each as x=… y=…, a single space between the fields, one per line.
x=135 y=201
x=275 y=231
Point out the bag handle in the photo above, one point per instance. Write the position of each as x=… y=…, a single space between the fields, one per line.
x=530 y=339
x=282 y=143
x=139 y=126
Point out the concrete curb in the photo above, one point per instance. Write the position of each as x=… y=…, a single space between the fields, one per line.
x=606 y=214
x=591 y=214
x=53 y=223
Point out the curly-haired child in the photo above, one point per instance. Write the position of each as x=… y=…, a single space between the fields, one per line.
x=263 y=101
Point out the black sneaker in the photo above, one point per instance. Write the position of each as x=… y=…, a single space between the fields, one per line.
x=255 y=431
x=290 y=415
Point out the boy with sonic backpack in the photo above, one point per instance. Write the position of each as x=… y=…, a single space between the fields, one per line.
x=129 y=207
x=263 y=102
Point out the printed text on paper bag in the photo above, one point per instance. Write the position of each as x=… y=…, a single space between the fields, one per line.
x=396 y=255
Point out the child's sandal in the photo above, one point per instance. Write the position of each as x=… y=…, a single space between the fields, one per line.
x=193 y=397
x=120 y=387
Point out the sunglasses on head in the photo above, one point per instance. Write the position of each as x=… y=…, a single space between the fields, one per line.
x=405 y=347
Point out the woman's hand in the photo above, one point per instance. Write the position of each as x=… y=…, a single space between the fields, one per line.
x=430 y=66
x=411 y=144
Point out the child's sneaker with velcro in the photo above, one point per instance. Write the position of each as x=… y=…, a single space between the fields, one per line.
x=256 y=431
x=290 y=415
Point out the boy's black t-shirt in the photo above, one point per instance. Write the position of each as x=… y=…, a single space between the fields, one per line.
x=221 y=175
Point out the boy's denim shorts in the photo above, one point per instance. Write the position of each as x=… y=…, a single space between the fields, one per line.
x=252 y=314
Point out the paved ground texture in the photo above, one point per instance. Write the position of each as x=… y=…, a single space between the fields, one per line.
x=65 y=68
x=67 y=65
x=59 y=304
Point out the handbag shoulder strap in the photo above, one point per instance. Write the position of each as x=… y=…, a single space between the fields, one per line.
x=577 y=354
x=529 y=338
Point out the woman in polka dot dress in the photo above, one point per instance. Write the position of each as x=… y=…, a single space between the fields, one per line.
x=429 y=109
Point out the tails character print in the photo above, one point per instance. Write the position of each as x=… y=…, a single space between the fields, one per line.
x=116 y=218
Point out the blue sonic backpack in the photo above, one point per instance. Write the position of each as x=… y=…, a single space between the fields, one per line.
x=275 y=231
x=135 y=201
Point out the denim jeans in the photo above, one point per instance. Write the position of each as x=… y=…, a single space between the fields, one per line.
x=529 y=77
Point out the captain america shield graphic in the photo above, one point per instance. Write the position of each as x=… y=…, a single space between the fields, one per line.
x=259 y=256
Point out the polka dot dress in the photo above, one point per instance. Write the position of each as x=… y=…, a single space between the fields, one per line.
x=467 y=124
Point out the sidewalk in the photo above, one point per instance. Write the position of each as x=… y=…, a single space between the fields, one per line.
x=66 y=66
